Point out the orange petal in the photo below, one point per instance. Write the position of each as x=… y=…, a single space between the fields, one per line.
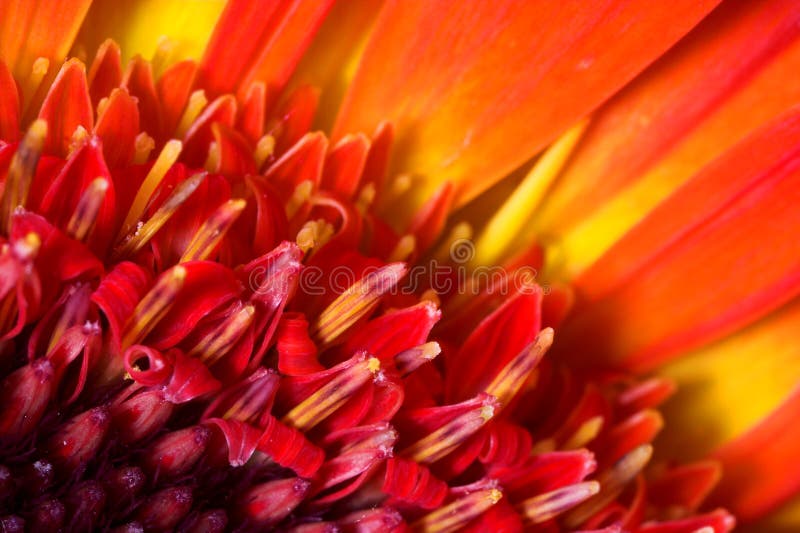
x=66 y=107
x=687 y=274
x=693 y=104
x=254 y=41
x=332 y=59
x=473 y=96
x=760 y=468
x=33 y=29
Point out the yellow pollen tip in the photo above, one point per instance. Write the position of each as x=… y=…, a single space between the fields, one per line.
x=197 y=102
x=27 y=247
x=400 y=184
x=219 y=341
x=213 y=158
x=102 y=105
x=404 y=248
x=457 y=514
x=300 y=195
x=495 y=496
x=512 y=378
x=264 y=149
x=31 y=86
x=154 y=305
x=79 y=138
x=143 y=145
x=487 y=412
x=374 y=365
x=366 y=197
x=584 y=434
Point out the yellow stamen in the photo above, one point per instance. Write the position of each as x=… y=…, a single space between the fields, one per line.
x=88 y=207
x=325 y=401
x=313 y=235
x=197 y=102
x=222 y=338
x=264 y=149
x=544 y=446
x=144 y=145
x=165 y=160
x=496 y=237
x=551 y=504
x=411 y=359
x=31 y=86
x=300 y=196
x=460 y=232
x=612 y=482
x=20 y=172
x=365 y=198
x=584 y=434
x=213 y=159
x=147 y=230
x=356 y=302
x=404 y=248
x=165 y=50
x=79 y=138
x=456 y=515
x=213 y=230
x=154 y=306
x=451 y=435
x=400 y=185
x=27 y=248
x=102 y=105
x=511 y=379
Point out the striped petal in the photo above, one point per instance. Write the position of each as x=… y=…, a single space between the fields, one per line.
x=473 y=95
x=733 y=73
x=687 y=274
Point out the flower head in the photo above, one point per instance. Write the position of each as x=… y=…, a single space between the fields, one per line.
x=216 y=317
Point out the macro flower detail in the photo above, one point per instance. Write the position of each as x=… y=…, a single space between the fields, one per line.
x=318 y=266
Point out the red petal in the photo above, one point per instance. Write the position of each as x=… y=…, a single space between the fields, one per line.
x=118 y=127
x=436 y=69
x=396 y=331
x=105 y=74
x=303 y=162
x=293 y=118
x=119 y=292
x=138 y=80
x=66 y=107
x=174 y=87
x=496 y=341
x=198 y=139
x=9 y=106
x=344 y=165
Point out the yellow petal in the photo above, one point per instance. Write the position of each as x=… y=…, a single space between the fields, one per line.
x=138 y=26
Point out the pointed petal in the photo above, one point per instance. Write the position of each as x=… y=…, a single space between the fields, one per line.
x=118 y=126
x=253 y=41
x=704 y=234
x=435 y=70
x=66 y=107
x=9 y=106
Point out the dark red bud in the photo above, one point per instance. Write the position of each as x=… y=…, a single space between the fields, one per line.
x=47 y=517
x=77 y=441
x=6 y=485
x=130 y=527
x=24 y=396
x=12 y=524
x=141 y=416
x=124 y=484
x=209 y=522
x=85 y=505
x=177 y=452
x=269 y=503
x=165 y=509
x=36 y=477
